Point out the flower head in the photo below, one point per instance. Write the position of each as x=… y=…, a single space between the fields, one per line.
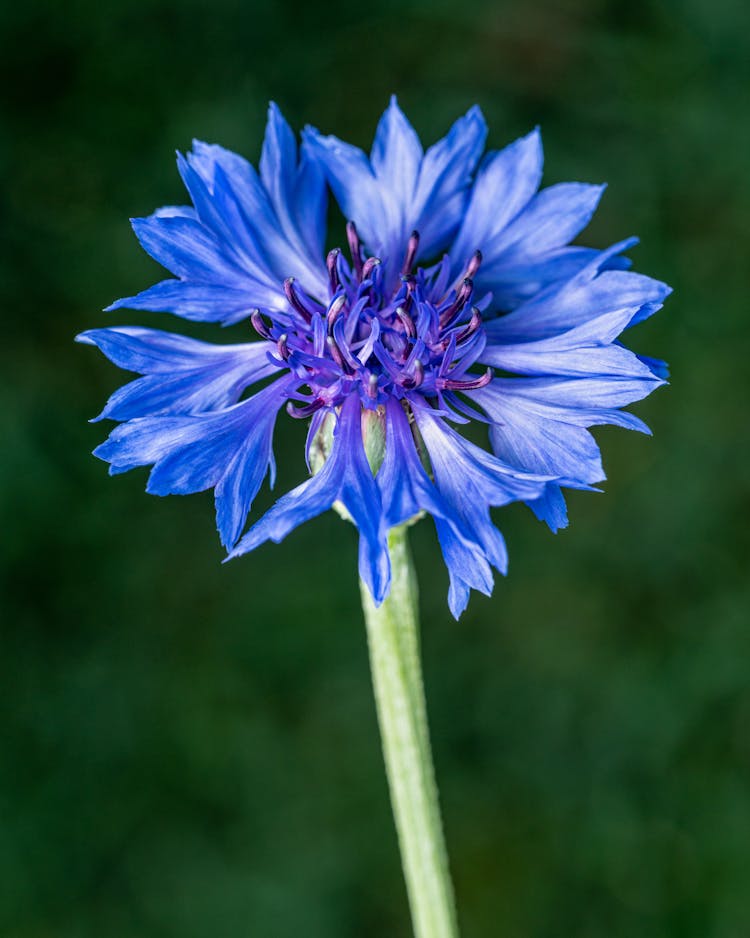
x=458 y=299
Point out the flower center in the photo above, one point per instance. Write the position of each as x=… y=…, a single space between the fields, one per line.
x=421 y=337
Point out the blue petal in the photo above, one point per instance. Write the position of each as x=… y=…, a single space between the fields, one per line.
x=229 y=450
x=205 y=302
x=396 y=157
x=551 y=219
x=219 y=210
x=551 y=508
x=586 y=395
x=297 y=191
x=182 y=376
x=658 y=368
x=354 y=185
x=531 y=252
x=311 y=200
x=406 y=490
x=445 y=180
x=515 y=280
x=505 y=184
x=375 y=193
x=269 y=221
x=590 y=293
x=187 y=248
x=584 y=351
x=471 y=480
x=245 y=235
x=541 y=425
x=346 y=477
x=538 y=438
x=522 y=234
x=398 y=189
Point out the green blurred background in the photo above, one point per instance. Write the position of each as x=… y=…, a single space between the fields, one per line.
x=190 y=749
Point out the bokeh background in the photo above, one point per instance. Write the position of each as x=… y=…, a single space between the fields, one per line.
x=190 y=749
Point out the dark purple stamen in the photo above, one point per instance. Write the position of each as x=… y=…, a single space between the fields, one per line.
x=411 y=253
x=473 y=265
x=474 y=323
x=369 y=265
x=333 y=272
x=355 y=247
x=407 y=321
x=259 y=325
x=295 y=300
x=414 y=382
x=462 y=295
x=334 y=310
x=307 y=410
x=283 y=346
x=468 y=384
x=375 y=335
x=336 y=353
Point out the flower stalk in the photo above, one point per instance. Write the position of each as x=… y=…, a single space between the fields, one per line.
x=393 y=640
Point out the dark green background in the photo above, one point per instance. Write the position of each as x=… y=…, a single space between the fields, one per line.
x=190 y=749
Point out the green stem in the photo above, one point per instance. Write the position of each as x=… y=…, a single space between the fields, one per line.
x=393 y=639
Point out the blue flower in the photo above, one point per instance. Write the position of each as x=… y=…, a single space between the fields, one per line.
x=461 y=301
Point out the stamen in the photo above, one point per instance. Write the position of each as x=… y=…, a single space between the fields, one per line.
x=333 y=272
x=336 y=353
x=334 y=310
x=355 y=246
x=473 y=265
x=341 y=342
x=462 y=295
x=414 y=382
x=259 y=325
x=305 y=411
x=367 y=346
x=474 y=323
x=411 y=253
x=403 y=344
x=369 y=265
x=468 y=384
x=295 y=300
x=407 y=321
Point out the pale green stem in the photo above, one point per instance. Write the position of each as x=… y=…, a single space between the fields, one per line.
x=393 y=639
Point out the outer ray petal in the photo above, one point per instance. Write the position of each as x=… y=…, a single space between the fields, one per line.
x=585 y=350
x=541 y=424
x=550 y=220
x=181 y=375
x=229 y=450
x=346 y=477
x=398 y=189
x=505 y=184
x=523 y=234
x=297 y=192
x=445 y=181
x=406 y=490
x=471 y=481
x=590 y=293
x=245 y=234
